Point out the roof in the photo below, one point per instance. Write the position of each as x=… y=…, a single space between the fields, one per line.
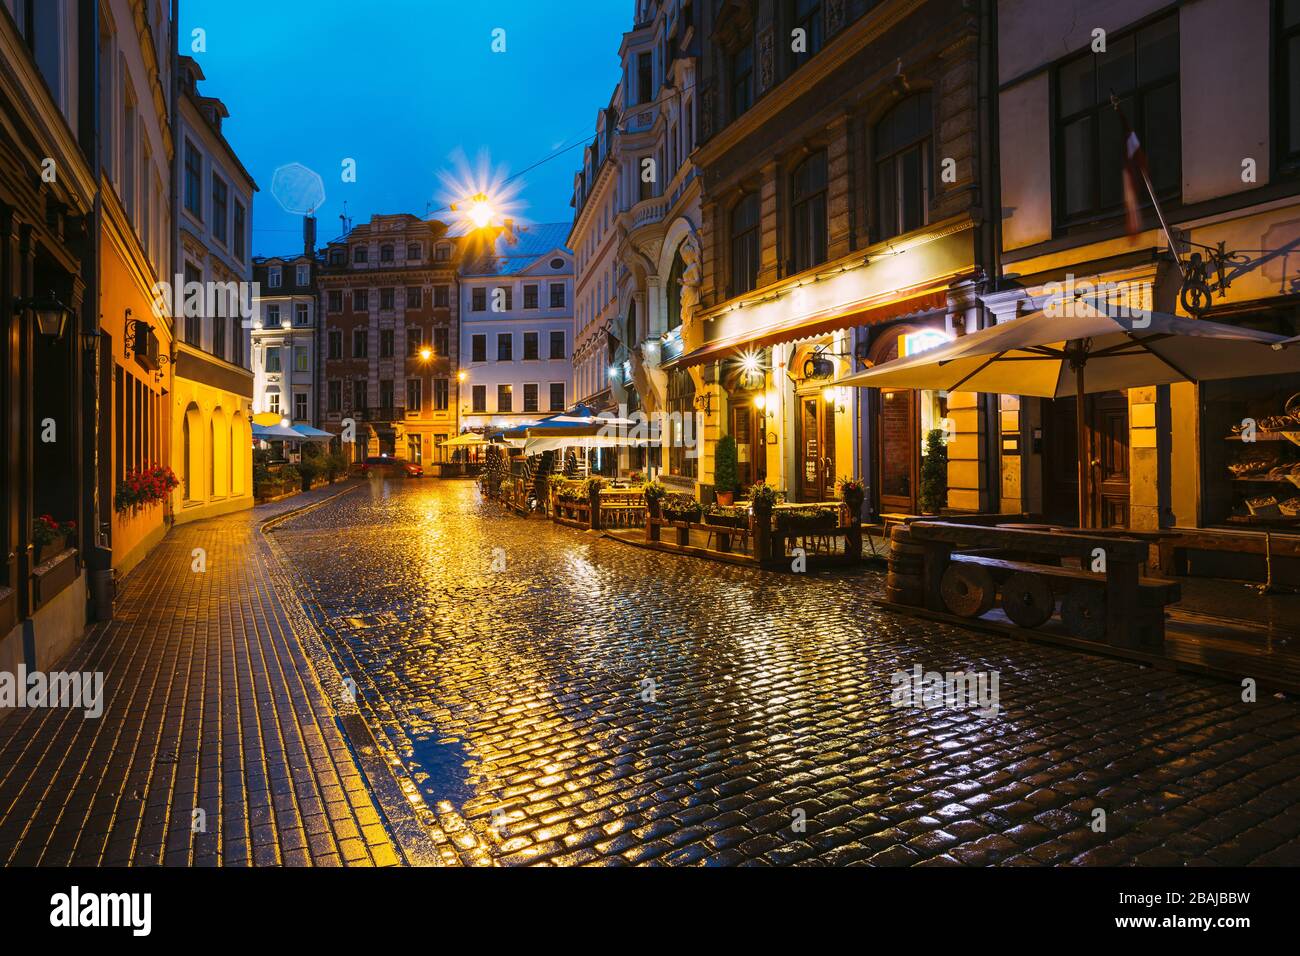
x=514 y=253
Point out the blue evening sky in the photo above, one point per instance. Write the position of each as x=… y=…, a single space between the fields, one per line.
x=400 y=86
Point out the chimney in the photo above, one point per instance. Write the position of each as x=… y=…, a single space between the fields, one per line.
x=309 y=236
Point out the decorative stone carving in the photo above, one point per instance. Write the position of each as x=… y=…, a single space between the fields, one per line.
x=766 y=60
x=692 y=275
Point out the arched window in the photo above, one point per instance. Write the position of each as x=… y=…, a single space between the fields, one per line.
x=744 y=245
x=674 y=291
x=185 y=457
x=808 y=213
x=413 y=251
x=901 y=147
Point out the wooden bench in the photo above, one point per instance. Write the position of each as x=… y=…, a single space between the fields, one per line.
x=965 y=568
x=621 y=509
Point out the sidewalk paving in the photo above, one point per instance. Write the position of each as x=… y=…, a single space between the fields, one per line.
x=211 y=702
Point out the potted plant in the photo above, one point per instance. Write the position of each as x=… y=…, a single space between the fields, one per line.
x=724 y=470
x=853 y=493
x=290 y=478
x=50 y=537
x=807 y=520
x=934 y=474
x=681 y=508
x=726 y=516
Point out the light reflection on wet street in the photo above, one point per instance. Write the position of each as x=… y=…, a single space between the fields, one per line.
x=596 y=702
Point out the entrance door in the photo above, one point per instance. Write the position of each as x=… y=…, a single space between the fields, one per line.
x=816 y=449
x=751 y=449
x=897 y=451
x=1107 y=415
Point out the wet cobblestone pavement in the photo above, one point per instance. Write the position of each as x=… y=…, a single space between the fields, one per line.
x=569 y=699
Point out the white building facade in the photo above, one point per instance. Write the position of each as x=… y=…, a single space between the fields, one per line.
x=516 y=328
x=284 y=337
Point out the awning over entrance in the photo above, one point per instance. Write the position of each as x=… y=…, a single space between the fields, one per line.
x=930 y=300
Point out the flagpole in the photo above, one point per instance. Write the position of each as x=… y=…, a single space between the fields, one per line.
x=1151 y=191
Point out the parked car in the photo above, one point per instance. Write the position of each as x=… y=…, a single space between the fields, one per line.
x=382 y=466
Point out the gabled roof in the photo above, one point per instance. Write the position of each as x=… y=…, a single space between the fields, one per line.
x=515 y=252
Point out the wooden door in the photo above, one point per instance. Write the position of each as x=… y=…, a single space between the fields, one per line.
x=816 y=449
x=897 y=450
x=1107 y=416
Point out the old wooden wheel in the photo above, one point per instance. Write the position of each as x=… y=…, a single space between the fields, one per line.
x=1027 y=599
x=968 y=590
x=1084 y=612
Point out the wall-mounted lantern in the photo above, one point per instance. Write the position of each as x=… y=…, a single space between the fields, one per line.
x=51 y=314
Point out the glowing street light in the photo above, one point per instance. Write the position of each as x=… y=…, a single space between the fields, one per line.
x=461 y=376
x=426 y=354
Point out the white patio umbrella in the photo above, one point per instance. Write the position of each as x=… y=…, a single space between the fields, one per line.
x=1083 y=352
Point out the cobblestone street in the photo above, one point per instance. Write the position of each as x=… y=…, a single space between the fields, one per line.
x=552 y=696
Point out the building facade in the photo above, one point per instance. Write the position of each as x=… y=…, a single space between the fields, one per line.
x=389 y=343
x=843 y=224
x=136 y=88
x=212 y=391
x=1216 y=113
x=48 y=361
x=516 y=326
x=285 y=334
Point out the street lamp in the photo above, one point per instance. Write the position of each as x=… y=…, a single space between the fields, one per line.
x=51 y=314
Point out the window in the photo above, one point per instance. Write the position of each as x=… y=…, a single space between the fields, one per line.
x=385 y=253
x=360 y=300
x=335 y=344
x=386 y=300
x=272 y=316
x=681 y=400
x=237 y=234
x=442 y=254
x=414 y=340
x=441 y=394
x=194 y=310
x=360 y=254
x=442 y=342
x=219 y=336
x=478 y=300
x=414 y=297
x=902 y=162
x=303 y=276
x=1287 y=84
x=478 y=348
x=742 y=79
x=505 y=398
x=300 y=406
x=300 y=359
x=557 y=396
x=220 y=226
x=530 y=347
x=806 y=16
x=557 y=295
x=301 y=314
x=385 y=343
x=334 y=396
x=412 y=251
x=808 y=213
x=479 y=399
x=386 y=396
x=644 y=78
x=441 y=297
x=273 y=402
x=1141 y=69
x=503 y=299
x=273 y=277
x=744 y=244
x=505 y=347
x=338 y=257
x=360 y=400
x=530 y=297
x=336 y=300
x=360 y=343
x=413 y=395
x=193 y=179
x=273 y=358
x=557 y=345
x=530 y=398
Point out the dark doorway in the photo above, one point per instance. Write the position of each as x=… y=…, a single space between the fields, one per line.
x=816 y=448
x=1108 y=443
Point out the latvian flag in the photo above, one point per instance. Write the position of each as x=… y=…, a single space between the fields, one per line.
x=1135 y=176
